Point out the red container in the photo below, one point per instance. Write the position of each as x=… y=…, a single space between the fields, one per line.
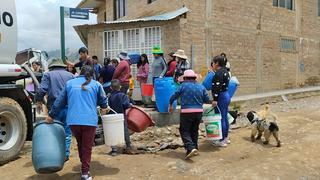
x=147 y=90
x=138 y=119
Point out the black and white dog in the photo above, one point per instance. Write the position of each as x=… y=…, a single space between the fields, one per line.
x=261 y=124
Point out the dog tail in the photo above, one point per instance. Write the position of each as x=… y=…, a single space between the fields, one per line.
x=273 y=127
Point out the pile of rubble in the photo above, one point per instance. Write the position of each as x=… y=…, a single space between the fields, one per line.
x=156 y=139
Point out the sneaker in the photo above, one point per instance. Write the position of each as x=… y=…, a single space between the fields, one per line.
x=192 y=153
x=219 y=143
x=227 y=141
x=86 y=177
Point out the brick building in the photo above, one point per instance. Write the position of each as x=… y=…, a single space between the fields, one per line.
x=271 y=44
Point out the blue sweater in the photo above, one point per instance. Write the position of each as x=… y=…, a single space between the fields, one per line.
x=192 y=94
x=82 y=105
x=53 y=82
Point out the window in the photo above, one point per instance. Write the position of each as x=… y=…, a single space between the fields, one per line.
x=120 y=8
x=288 y=4
x=140 y=40
x=288 y=45
x=151 y=1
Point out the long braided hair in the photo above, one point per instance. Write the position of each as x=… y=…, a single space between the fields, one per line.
x=87 y=72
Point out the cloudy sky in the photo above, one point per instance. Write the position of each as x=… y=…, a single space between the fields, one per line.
x=39 y=27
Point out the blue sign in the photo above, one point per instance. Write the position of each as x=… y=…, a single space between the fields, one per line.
x=75 y=13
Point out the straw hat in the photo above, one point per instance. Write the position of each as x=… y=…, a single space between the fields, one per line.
x=56 y=63
x=157 y=50
x=181 y=54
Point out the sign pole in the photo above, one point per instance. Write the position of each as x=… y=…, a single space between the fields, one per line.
x=62 y=35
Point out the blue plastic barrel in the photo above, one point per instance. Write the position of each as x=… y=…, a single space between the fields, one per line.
x=48 y=147
x=233 y=85
x=164 y=88
x=207 y=82
x=134 y=57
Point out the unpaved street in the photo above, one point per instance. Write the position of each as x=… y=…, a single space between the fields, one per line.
x=298 y=158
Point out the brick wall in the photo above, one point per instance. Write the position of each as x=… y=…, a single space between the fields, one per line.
x=248 y=31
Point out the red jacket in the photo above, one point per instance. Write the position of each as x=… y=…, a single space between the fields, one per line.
x=172 y=68
x=123 y=72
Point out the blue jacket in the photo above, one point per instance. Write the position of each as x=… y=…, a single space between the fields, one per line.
x=82 y=105
x=192 y=94
x=119 y=102
x=52 y=83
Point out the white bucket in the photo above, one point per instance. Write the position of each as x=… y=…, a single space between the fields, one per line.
x=113 y=129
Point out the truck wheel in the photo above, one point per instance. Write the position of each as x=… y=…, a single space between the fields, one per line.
x=13 y=129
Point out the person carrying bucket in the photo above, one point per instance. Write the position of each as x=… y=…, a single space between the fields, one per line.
x=221 y=96
x=82 y=95
x=119 y=103
x=193 y=96
x=52 y=84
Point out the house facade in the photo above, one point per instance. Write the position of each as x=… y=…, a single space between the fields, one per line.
x=271 y=44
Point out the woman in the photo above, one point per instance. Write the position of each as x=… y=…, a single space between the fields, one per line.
x=221 y=96
x=182 y=63
x=143 y=69
x=172 y=64
x=72 y=70
x=82 y=95
x=36 y=66
x=106 y=75
x=159 y=65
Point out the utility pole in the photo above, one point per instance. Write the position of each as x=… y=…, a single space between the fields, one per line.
x=62 y=35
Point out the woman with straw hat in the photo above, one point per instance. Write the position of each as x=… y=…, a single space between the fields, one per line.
x=182 y=63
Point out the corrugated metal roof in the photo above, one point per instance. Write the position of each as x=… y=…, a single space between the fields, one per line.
x=162 y=17
x=90 y=3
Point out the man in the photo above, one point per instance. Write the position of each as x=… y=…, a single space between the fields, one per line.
x=123 y=72
x=52 y=84
x=97 y=67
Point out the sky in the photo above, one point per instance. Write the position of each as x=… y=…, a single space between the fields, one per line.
x=39 y=24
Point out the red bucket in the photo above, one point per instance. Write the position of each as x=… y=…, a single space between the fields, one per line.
x=147 y=90
x=138 y=119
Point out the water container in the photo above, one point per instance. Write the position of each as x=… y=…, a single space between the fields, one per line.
x=138 y=119
x=134 y=57
x=113 y=129
x=48 y=147
x=147 y=90
x=233 y=85
x=207 y=83
x=164 y=88
x=212 y=122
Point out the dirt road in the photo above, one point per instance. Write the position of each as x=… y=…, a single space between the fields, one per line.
x=298 y=158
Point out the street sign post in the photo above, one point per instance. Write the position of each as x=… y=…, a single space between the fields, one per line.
x=73 y=13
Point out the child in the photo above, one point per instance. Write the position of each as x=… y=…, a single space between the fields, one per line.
x=193 y=96
x=120 y=102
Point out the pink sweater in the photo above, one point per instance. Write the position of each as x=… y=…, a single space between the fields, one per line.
x=143 y=72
